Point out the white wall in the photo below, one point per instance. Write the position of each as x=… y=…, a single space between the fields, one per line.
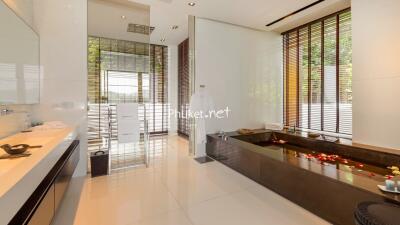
x=173 y=86
x=62 y=26
x=376 y=72
x=242 y=70
x=23 y=8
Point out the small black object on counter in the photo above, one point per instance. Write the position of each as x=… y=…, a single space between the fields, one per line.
x=99 y=163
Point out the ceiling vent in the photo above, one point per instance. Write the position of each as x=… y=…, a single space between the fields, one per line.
x=140 y=29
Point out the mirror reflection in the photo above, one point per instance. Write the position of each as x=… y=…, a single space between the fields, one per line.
x=19 y=60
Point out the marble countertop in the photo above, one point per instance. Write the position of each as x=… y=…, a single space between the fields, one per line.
x=19 y=177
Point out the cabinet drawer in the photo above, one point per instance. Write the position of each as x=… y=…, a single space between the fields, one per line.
x=42 y=204
x=45 y=211
x=64 y=177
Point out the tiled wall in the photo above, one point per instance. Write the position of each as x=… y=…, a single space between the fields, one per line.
x=62 y=27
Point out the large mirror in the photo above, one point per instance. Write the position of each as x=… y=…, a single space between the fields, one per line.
x=19 y=60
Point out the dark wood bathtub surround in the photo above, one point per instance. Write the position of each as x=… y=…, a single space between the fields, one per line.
x=368 y=154
x=332 y=197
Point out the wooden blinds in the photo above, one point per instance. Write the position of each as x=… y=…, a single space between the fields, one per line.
x=183 y=87
x=126 y=72
x=159 y=87
x=318 y=75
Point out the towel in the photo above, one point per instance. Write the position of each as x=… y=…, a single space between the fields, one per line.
x=273 y=126
x=128 y=123
x=201 y=102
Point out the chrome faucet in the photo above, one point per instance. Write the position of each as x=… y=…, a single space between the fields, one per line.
x=6 y=112
x=223 y=136
x=292 y=129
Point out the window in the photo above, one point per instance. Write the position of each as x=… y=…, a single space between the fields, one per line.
x=318 y=75
x=159 y=106
x=121 y=86
x=125 y=72
x=183 y=87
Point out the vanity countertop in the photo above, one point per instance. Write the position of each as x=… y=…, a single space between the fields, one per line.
x=19 y=177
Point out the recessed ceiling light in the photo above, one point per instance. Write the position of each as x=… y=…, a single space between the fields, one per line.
x=163 y=40
x=191 y=4
x=123 y=17
x=174 y=27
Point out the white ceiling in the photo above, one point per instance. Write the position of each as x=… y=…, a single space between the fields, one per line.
x=249 y=13
x=105 y=19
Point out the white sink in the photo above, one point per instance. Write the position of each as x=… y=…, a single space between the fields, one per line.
x=34 y=138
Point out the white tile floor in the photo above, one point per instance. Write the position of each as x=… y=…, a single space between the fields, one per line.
x=176 y=190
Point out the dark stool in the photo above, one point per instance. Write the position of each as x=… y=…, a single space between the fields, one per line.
x=373 y=213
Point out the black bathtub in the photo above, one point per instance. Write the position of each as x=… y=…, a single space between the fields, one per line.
x=328 y=188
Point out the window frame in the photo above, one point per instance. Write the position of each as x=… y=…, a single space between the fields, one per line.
x=288 y=97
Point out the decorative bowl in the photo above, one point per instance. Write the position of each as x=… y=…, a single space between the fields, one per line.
x=15 y=149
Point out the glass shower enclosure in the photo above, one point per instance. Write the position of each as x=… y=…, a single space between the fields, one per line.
x=119 y=73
